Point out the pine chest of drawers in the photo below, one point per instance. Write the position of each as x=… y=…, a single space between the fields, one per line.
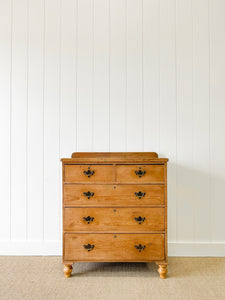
x=115 y=209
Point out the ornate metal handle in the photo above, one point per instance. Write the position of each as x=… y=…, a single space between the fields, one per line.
x=140 y=247
x=139 y=219
x=89 y=247
x=140 y=172
x=88 y=219
x=89 y=173
x=88 y=194
x=139 y=194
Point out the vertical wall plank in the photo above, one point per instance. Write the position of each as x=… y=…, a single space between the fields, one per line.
x=19 y=121
x=118 y=88
x=168 y=116
x=35 y=121
x=201 y=181
x=184 y=50
x=101 y=76
x=112 y=75
x=68 y=77
x=151 y=53
x=51 y=119
x=134 y=76
x=85 y=76
x=217 y=122
x=68 y=86
x=5 y=116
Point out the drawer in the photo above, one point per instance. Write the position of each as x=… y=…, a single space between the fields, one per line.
x=113 y=195
x=114 y=247
x=140 y=173
x=88 y=173
x=114 y=219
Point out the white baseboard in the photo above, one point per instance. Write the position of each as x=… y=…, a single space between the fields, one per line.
x=198 y=249
x=54 y=248
x=29 y=248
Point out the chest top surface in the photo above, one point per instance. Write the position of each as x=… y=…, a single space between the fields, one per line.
x=114 y=157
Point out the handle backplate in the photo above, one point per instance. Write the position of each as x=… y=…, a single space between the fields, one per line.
x=89 y=247
x=89 y=172
x=88 y=194
x=140 y=173
x=140 y=247
x=139 y=194
x=139 y=219
x=88 y=219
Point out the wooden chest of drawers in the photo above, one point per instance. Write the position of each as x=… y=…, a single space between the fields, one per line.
x=115 y=209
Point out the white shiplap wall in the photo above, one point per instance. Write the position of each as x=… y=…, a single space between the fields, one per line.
x=112 y=75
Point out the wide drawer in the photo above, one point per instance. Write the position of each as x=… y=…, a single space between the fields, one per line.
x=85 y=173
x=111 y=219
x=140 y=173
x=113 y=195
x=114 y=247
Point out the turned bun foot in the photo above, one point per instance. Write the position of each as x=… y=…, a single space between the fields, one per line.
x=162 y=271
x=67 y=270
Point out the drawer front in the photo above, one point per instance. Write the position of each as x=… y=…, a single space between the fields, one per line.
x=140 y=173
x=113 y=195
x=111 y=219
x=114 y=247
x=85 y=173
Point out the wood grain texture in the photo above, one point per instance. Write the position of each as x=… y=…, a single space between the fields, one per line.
x=125 y=231
x=162 y=270
x=67 y=270
x=113 y=195
x=153 y=173
x=89 y=161
x=107 y=156
x=114 y=247
x=75 y=173
x=114 y=219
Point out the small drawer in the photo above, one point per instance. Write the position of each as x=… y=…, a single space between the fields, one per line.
x=114 y=247
x=113 y=195
x=140 y=173
x=88 y=173
x=114 y=219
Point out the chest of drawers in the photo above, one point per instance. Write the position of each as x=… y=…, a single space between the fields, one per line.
x=115 y=209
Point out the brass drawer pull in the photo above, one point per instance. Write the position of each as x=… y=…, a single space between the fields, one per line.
x=140 y=173
x=140 y=247
x=88 y=194
x=88 y=219
x=89 y=173
x=139 y=219
x=139 y=194
x=89 y=247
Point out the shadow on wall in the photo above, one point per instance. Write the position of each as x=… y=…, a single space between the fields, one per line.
x=195 y=204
